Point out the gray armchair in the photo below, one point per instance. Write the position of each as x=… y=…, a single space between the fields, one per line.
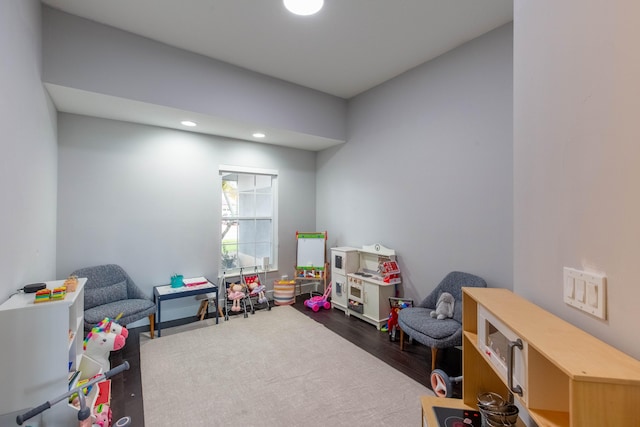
x=418 y=324
x=110 y=291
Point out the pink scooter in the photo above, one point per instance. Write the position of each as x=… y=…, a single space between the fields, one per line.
x=315 y=303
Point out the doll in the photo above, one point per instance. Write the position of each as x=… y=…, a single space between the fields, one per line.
x=236 y=293
x=257 y=288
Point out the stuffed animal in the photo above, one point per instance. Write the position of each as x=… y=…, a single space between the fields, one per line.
x=109 y=325
x=103 y=415
x=98 y=344
x=444 y=306
x=257 y=289
x=236 y=294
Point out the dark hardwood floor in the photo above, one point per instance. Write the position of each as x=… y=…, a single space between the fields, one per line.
x=415 y=361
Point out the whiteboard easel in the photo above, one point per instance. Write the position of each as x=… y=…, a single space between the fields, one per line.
x=311 y=258
x=311 y=252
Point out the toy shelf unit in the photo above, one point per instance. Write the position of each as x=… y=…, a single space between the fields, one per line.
x=557 y=374
x=372 y=284
x=43 y=343
x=311 y=260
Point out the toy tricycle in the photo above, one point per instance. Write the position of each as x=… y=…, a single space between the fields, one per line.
x=316 y=302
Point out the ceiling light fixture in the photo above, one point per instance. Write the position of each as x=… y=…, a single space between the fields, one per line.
x=303 y=7
x=188 y=123
x=259 y=135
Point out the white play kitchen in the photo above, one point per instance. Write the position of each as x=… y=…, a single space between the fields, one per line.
x=363 y=281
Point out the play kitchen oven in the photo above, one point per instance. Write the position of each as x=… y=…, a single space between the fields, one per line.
x=355 y=294
x=504 y=349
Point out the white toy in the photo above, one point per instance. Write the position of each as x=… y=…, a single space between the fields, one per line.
x=98 y=344
x=444 y=306
x=110 y=325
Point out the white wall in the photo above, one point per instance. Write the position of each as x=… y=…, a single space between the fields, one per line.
x=427 y=169
x=86 y=55
x=148 y=199
x=29 y=153
x=577 y=147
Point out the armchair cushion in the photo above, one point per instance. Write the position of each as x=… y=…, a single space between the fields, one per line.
x=105 y=295
x=133 y=309
x=435 y=329
x=457 y=312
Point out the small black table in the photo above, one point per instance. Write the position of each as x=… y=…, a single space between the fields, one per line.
x=166 y=292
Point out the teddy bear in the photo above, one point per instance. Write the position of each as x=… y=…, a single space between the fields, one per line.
x=444 y=306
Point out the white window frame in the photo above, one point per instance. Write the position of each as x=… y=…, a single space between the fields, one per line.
x=273 y=259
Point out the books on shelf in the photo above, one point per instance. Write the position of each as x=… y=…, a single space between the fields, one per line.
x=73 y=376
x=195 y=281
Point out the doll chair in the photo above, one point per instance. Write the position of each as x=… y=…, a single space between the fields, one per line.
x=417 y=323
x=110 y=291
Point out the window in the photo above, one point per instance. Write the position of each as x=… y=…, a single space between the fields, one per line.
x=248 y=220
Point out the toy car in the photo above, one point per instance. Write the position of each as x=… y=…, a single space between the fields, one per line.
x=316 y=302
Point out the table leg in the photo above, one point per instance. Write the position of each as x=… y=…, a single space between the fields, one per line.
x=216 y=307
x=159 y=304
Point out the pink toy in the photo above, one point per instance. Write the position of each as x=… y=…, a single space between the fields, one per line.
x=235 y=294
x=315 y=303
x=98 y=344
x=103 y=415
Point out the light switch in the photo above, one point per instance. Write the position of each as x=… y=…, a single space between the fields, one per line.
x=580 y=284
x=592 y=295
x=586 y=291
x=569 y=288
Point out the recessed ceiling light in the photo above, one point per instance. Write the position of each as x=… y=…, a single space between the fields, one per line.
x=259 y=135
x=188 y=123
x=303 y=7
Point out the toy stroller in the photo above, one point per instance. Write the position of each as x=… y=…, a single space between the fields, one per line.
x=235 y=297
x=84 y=414
x=316 y=302
x=255 y=289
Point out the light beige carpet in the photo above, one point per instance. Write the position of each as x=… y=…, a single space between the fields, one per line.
x=274 y=368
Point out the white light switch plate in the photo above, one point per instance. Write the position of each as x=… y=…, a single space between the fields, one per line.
x=586 y=291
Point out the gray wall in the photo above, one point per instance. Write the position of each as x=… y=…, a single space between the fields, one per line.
x=427 y=169
x=577 y=146
x=148 y=198
x=28 y=146
x=83 y=54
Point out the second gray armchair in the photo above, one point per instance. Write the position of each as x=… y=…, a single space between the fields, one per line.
x=417 y=323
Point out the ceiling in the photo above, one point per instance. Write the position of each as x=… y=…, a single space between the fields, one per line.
x=347 y=48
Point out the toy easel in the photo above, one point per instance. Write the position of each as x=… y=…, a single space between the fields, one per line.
x=311 y=260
